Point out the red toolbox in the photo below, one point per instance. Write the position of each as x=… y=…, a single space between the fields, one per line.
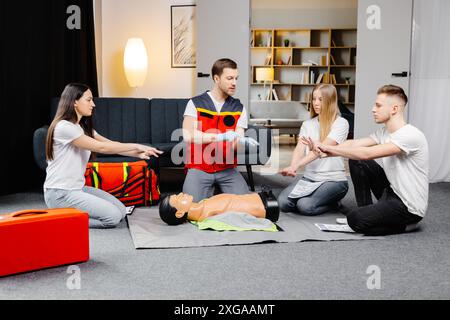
x=37 y=239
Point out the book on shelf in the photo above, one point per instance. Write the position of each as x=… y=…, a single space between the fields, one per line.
x=333 y=44
x=333 y=79
x=288 y=61
x=275 y=96
x=333 y=62
x=324 y=60
x=305 y=77
x=307 y=97
x=269 y=94
x=302 y=78
x=312 y=63
x=326 y=78
x=269 y=40
x=311 y=77
x=268 y=59
x=320 y=78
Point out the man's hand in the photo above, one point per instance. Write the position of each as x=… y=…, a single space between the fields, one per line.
x=288 y=172
x=325 y=150
x=247 y=141
x=228 y=136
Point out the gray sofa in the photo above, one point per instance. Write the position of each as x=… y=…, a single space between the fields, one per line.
x=286 y=116
x=153 y=122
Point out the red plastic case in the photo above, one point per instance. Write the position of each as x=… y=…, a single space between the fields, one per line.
x=37 y=239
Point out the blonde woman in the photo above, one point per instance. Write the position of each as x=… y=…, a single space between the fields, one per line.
x=324 y=182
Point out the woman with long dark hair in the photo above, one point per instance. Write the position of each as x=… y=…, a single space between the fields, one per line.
x=70 y=140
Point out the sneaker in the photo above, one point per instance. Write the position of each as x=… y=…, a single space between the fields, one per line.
x=342 y=209
x=412 y=227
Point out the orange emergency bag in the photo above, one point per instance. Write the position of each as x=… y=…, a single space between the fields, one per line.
x=133 y=183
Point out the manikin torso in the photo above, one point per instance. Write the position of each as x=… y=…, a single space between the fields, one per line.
x=248 y=203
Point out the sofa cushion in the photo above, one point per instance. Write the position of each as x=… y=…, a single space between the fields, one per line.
x=166 y=118
x=120 y=119
x=123 y=119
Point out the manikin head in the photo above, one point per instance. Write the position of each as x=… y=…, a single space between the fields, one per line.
x=390 y=103
x=174 y=208
x=225 y=74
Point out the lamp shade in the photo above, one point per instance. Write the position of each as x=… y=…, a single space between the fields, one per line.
x=264 y=74
x=135 y=62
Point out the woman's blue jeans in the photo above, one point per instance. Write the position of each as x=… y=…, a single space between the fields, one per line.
x=322 y=200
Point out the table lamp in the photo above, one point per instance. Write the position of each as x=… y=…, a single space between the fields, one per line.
x=135 y=62
x=265 y=74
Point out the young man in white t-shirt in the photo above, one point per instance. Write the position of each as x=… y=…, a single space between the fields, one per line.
x=399 y=179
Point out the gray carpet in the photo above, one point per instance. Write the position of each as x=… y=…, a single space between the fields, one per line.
x=413 y=266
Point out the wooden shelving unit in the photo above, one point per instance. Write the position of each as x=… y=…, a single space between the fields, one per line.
x=310 y=54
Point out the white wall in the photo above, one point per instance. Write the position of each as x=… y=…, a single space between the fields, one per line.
x=149 y=20
x=118 y=20
x=304 y=14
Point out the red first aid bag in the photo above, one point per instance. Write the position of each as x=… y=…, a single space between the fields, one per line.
x=133 y=183
x=38 y=239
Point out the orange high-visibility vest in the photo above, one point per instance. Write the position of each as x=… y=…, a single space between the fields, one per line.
x=217 y=156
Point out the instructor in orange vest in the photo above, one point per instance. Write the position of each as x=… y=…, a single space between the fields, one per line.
x=214 y=123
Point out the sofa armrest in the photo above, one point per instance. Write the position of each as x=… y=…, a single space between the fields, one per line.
x=39 y=139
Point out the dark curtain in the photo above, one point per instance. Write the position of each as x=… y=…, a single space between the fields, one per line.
x=39 y=55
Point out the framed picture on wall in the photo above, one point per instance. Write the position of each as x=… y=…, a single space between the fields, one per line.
x=182 y=18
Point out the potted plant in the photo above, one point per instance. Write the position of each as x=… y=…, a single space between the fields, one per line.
x=286 y=42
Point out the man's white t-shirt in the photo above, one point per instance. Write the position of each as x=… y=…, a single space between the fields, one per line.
x=407 y=172
x=325 y=169
x=66 y=170
x=192 y=111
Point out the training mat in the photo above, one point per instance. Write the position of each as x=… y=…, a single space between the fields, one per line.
x=149 y=231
